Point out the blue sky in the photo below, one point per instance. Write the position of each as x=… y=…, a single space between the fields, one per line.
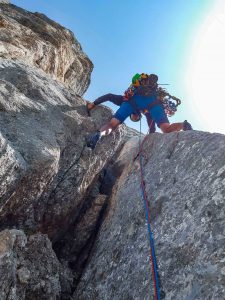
x=127 y=37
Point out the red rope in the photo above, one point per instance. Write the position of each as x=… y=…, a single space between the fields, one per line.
x=147 y=211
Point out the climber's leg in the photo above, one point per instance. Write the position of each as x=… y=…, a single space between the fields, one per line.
x=166 y=127
x=151 y=122
x=109 y=127
x=159 y=116
x=120 y=116
x=115 y=99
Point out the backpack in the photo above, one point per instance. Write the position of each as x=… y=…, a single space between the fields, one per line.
x=144 y=85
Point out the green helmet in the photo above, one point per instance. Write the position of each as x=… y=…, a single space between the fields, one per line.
x=136 y=77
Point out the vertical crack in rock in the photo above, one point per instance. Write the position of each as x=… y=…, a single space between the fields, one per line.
x=75 y=248
x=50 y=182
x=62 y=177
x=187 y=222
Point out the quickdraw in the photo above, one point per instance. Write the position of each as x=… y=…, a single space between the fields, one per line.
x=170 y=103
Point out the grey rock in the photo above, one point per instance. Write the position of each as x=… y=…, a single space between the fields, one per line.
x=23 y=275
x=4 y=1
x=48 y=177
x=89 y=202
x=50 y=182
x=29 y=268
x=75 y=247
x=46 y=167
x=34 y=39
x=185 y=182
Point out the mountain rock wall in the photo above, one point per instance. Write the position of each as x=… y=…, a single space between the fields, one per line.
x=49 y=179
x=72 y=223
x=34 y=39
x=185 y=181
x=46 y=166
x=29 y=268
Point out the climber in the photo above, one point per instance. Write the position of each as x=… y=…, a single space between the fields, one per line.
x=118 y=100
x=142 y=97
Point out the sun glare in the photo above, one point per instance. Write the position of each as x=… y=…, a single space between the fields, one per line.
x=205 y=78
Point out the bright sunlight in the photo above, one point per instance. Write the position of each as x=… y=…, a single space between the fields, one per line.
x=205 y=78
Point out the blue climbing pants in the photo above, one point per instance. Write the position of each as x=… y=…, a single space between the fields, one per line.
x=141 y=102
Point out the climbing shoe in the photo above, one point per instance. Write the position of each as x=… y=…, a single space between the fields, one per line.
x=187 y=126
x=93 y=139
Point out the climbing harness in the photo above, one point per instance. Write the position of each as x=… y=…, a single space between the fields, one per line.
x=153 y=259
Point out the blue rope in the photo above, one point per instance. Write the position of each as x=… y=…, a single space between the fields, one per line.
x=147 y=216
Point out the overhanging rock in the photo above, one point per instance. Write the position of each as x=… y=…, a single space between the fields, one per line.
x=34 y=39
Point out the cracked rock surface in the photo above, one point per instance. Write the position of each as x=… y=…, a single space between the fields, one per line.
x=185 y=181
x=46 y=167
x=72 y=224
x=29 y=268
x=48 y=177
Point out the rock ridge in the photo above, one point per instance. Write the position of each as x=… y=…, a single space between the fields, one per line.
x=34 y=39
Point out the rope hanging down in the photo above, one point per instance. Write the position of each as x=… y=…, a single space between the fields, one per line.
x=147 y=216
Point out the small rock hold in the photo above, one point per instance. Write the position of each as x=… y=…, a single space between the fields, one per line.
x=23 y=275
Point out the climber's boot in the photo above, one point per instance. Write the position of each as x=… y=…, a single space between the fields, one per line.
x=93 y=139
x=187 y=126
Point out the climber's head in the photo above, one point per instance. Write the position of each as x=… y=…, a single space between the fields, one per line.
x=135 y=79
x=144 y=79
x=153 y=79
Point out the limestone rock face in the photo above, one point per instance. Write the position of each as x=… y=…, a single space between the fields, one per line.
x=29 y=268
x=34 y=39
x=46 y=167
x=88 y=203
x=4 y=1
x=49 y=179
x=185 y=181
x=50 y=182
